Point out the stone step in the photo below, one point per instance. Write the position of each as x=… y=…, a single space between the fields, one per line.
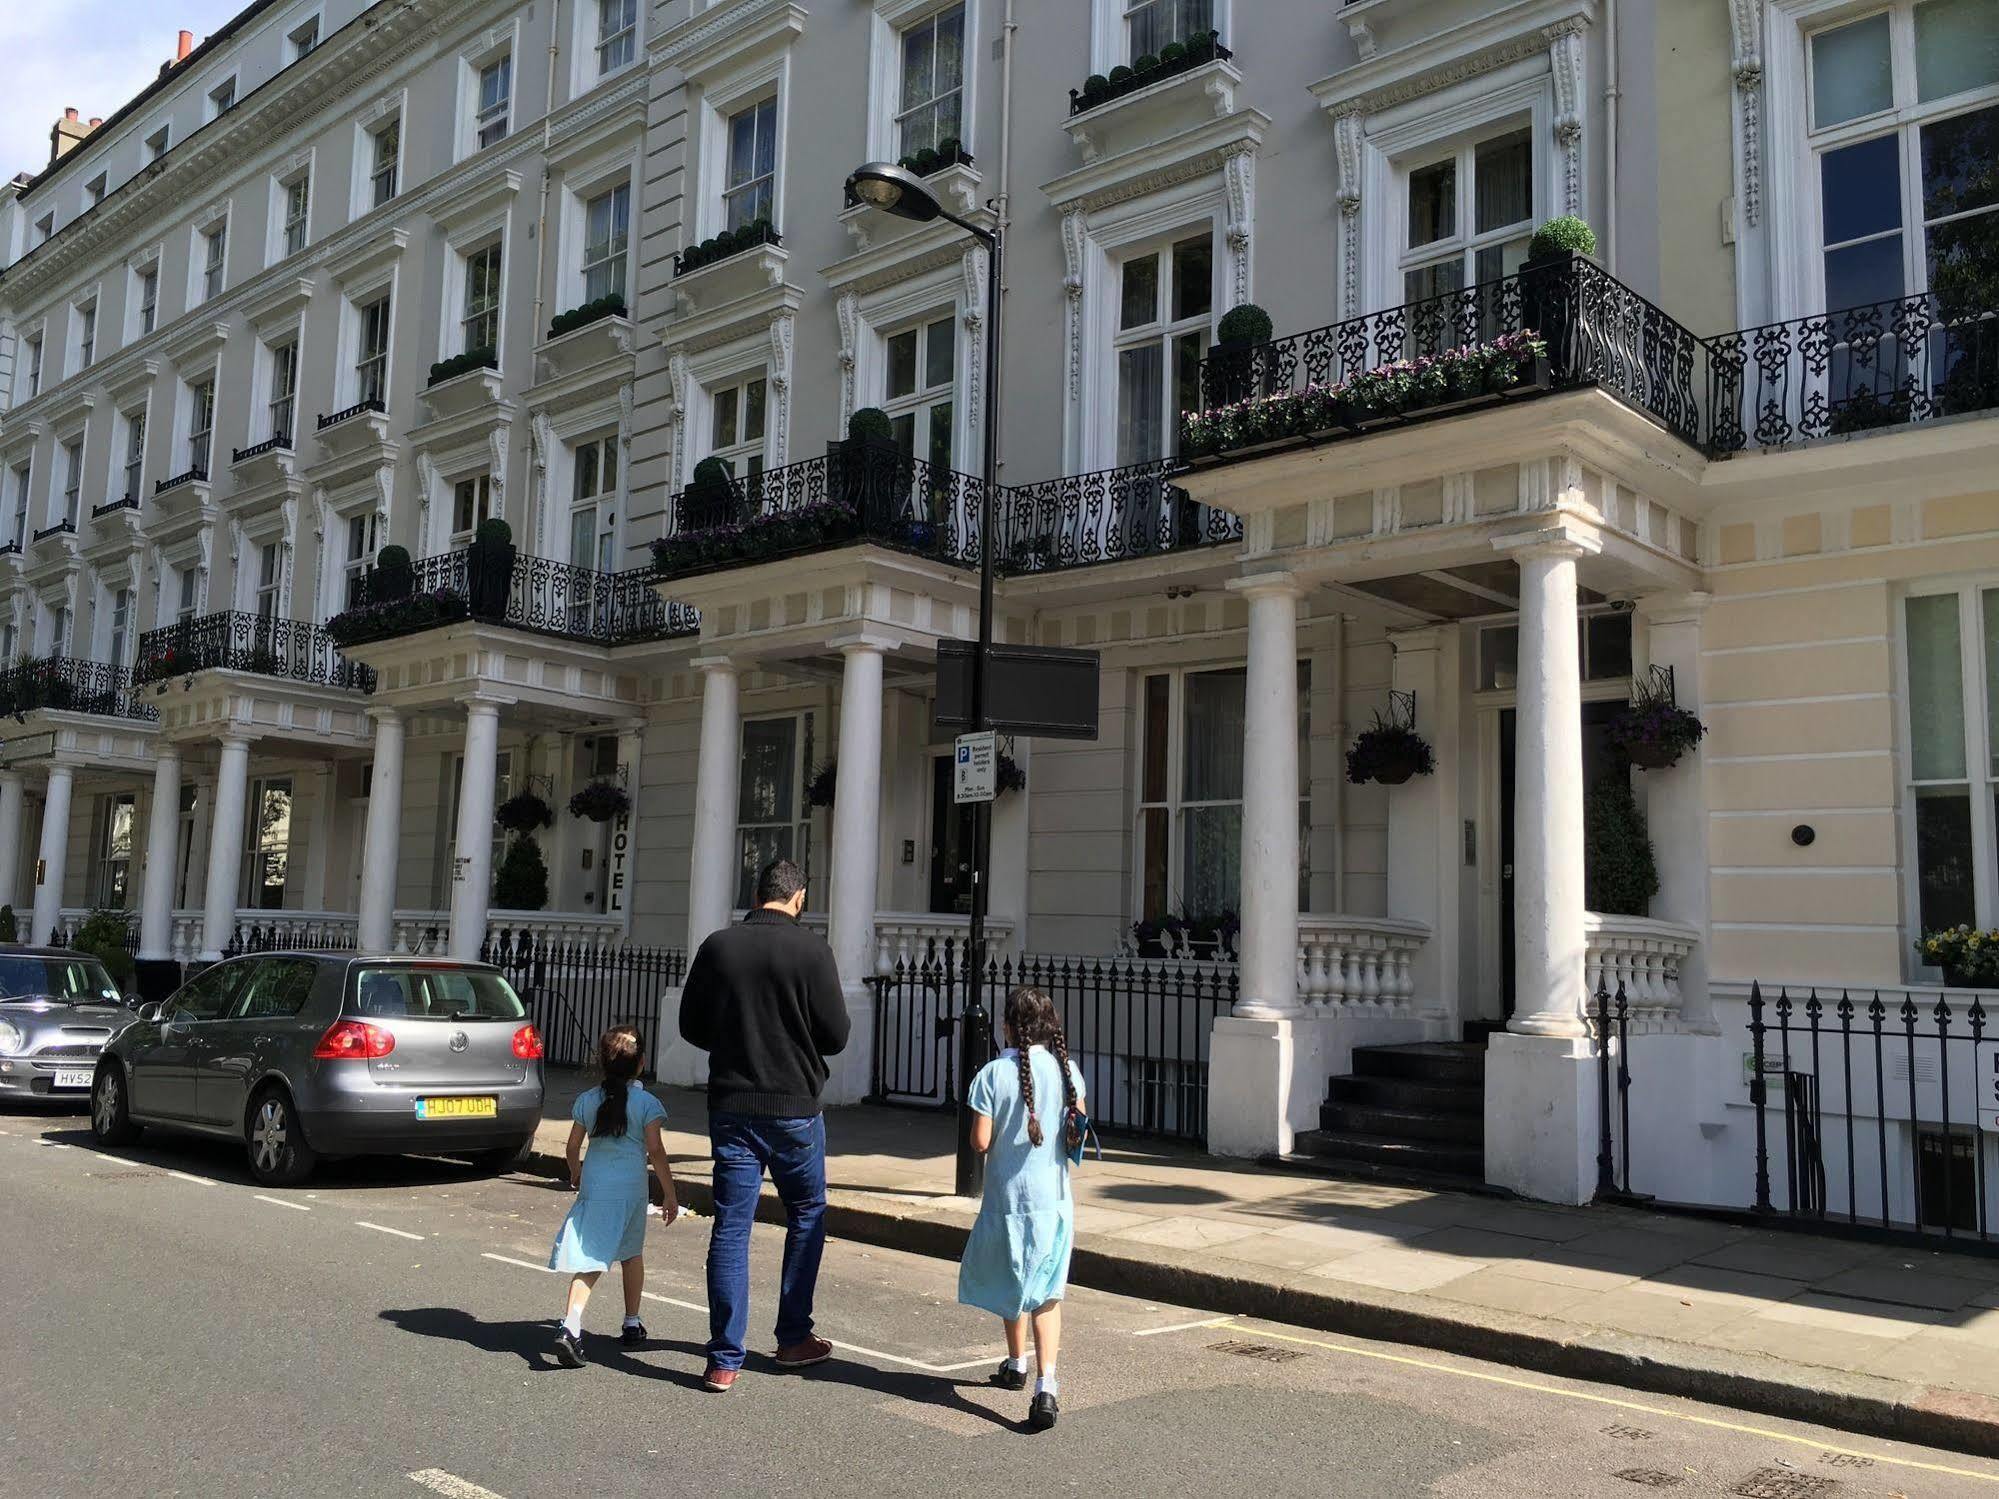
x=1400 y=1093
x=1423 y=1062
x=1389 y=1124
x=1432 y=1156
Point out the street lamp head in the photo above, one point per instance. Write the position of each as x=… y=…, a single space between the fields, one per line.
x=895 y=190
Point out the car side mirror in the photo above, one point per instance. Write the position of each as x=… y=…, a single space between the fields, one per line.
x=151 y=1014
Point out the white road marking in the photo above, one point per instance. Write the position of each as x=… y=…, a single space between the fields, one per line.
x=383 y=1229
x=279 y=1202
x=509 y=1260
x=52 y=1144
x=451 y=1485
x=1153 y=1332
x=199 y=1181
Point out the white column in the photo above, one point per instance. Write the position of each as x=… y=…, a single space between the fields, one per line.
x=156 y=898
x=225 y=847
x=1676 y=800
x=711 y=870
x=1257 y=1099
x=1540 y=1079
x=857 y=813
x=319 y=838
x=472 y=862
x=52 y=864
x=13 y=790
x=384 y=834
x=1548 y=791
x=196 y=895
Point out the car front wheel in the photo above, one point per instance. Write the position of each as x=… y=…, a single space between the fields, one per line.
x=279 y=1154
x=110 y=1108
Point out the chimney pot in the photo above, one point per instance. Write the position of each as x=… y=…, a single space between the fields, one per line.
x=186 y=46
x=70 y=113
x=95 y=121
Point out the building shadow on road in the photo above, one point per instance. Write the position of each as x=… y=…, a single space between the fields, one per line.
x=532 y=1342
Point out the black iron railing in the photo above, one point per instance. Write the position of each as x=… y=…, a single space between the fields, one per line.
x=1867 y=1109
x=192 y=476
x=235 y=641
x=575 y=990
x=66 y=684
x=1108 y=516
x=503 y=587
x=1138 y=1031
x=1880 y=365
x=359 y=408
x=282 y=443
x=60 y=528
x=112 y=507
x=860 y=491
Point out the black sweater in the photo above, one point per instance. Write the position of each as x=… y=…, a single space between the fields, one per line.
x=763 y=1000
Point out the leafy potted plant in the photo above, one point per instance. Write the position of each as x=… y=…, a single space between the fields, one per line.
x=600 y=801
x=1619 y=874
x=824 y=785
x=392 y=578
x=1551 y=285
x=524 y=813
x=869 y=464
x=1010 y=776
x=710 y=499
x=521 y=881
x=1390 y=752
x=1653 y=731
x=102 y=936
x=1968 y=957
x=1232 y=365
x=489 y=569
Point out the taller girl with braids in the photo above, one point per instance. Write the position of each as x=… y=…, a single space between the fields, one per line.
x=1016 y=1262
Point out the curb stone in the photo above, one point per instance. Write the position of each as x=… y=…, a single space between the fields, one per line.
x=1864 y=1404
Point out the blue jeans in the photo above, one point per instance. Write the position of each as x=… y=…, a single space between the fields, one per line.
x=794 y=1151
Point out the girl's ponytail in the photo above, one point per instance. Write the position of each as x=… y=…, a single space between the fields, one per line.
x=1027 y=1095
x=1059 y=1044
x=1030 y=1017
x=619 y=1053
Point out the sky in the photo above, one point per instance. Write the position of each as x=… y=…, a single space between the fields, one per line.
x=93 y=54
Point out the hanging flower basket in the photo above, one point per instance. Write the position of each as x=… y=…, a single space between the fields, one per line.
x=1654 y=732
x=600 y=801
x=1011 y=776
x=1389 y=753
x=524 y=813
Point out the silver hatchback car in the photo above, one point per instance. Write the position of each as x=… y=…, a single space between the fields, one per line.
x=58 y=1009
x=302 y=1055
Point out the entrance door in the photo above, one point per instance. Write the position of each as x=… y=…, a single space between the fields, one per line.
x=951 y=839
x=1597 y=759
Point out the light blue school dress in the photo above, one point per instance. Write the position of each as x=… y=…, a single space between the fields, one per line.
x=607 y=1222
x=1017 y=1257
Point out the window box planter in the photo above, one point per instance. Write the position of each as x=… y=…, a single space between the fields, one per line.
x=1171 y=62
x=723 y=246
x=588 y=313
x=463 y=364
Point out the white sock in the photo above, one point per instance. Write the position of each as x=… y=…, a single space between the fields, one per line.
x=1017 y=1365
x=632 y=1319
x=573 y=1323
x=1045 y=1385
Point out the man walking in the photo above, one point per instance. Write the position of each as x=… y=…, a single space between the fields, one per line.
x=763 y=1000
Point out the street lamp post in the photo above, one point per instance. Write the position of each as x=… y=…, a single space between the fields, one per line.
x=898 y=191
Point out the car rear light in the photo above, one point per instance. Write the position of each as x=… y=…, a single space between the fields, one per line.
x=354 y=1040
x=527 y=1044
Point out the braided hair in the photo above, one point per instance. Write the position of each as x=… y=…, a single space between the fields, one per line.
x=1031 y=1021
x=620 y=1052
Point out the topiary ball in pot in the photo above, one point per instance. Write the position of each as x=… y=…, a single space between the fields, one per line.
x=494 y=532
x=1095 y=87
x=1244 y=327
x=1146 y=63
x=711 y=474
x=521 y=882
x=870 y=424
x=1567 y=235
x=1120 y=76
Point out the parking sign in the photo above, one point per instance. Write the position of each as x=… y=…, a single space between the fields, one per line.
x=977 y=767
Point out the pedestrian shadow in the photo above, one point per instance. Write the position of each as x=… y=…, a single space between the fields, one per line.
x=940 y=1390
x=533 y=1342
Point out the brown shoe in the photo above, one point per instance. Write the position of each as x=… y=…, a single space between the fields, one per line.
x=719 y=1381
x=804 y=1355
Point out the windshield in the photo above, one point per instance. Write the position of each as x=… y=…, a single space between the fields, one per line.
x=79 y=979
x=435 y=994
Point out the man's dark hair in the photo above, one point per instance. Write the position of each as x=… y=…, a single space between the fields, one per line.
x=778 y=881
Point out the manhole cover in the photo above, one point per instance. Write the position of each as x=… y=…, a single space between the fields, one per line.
x=1651 y=1478
x=1261 y=1351
x=1779 y=1483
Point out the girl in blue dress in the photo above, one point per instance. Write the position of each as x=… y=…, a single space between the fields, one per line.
x=1016 y=1263
x=608 y=1221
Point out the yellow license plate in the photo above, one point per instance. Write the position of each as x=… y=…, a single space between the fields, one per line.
x=457 y=1108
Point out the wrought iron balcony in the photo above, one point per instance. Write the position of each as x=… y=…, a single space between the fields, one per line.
x=1912 y=359
x=232 y=640
x=112 y=507
x=66 y=684
x=1112 y=515
x=60 y=528
x=192 y=476
x=282 y=443
x=861 y=491
x=503 y=587
x=359 y=408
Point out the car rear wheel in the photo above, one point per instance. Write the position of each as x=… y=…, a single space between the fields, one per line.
x=110 y=1108
x=279 y=1153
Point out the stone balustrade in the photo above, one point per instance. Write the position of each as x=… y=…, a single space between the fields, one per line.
x=428 y=931
x=1644 y=957
x=1358 y=963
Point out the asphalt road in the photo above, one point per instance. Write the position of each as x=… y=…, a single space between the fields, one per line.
x=169 y=1328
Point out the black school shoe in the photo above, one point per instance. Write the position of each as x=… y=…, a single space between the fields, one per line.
x=569 y=1350
x=1041 y=1415
x=1009 y=1378
x=633 y=1335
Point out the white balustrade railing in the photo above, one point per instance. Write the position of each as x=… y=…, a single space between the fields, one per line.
x=1642 y=955
x=1359 y=963
x=910 y=936
x=429 y=931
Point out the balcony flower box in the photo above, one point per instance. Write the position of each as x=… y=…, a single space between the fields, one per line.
x=730 y=242
x=406 y=616
x=162 y=664
x=588 y=313
x=1170 y=62
x=485 y=358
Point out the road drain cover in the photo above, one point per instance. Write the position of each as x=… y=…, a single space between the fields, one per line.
x=1778 y=1483
x=1262 y=1351
x=1651 y=1478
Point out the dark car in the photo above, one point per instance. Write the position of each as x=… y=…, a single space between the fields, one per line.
x=301 y=1055
x=58 y=1009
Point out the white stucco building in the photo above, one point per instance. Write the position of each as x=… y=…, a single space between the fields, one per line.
x=217 y=357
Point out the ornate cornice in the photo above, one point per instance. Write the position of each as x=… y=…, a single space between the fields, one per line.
x=1745 y=22
x=1406 y=73
x=720 y=35
x=1198 y=152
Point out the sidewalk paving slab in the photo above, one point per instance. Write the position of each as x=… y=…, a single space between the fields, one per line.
x=1893 y=1340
